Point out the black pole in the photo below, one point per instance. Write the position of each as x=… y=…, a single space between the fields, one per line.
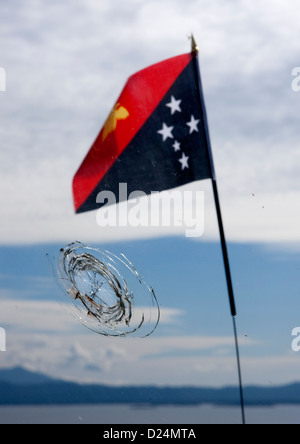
x=239 y=371
x=224 y=249
x=220 y=221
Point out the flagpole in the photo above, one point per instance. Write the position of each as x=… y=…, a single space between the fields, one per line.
x=195 y=51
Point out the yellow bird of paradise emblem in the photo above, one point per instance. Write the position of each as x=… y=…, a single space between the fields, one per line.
x=118 y=113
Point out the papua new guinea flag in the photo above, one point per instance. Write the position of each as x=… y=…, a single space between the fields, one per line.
x=153 y=139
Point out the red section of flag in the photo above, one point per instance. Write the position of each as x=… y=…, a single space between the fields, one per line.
x=142 y=94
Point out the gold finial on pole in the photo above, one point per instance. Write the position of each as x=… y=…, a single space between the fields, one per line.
x=195 y=48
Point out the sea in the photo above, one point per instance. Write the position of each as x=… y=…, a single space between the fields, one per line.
x=132 y=414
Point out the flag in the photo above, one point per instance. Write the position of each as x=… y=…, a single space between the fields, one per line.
x=153 y=139
x=156 y=138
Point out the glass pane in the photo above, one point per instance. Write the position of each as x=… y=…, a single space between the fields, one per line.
x=96 y=348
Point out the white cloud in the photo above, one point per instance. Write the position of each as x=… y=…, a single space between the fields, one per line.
x=43 y=337
x=64 y=76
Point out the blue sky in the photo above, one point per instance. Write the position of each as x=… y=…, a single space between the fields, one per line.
x=189 y=282
x=65 y=66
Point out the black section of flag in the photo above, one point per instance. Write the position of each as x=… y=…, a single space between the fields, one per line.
x=168 y=151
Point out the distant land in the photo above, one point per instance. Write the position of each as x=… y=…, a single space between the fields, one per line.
x=22 y=387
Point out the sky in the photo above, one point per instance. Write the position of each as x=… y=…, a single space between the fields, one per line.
x=64 y=76
x=66 y=64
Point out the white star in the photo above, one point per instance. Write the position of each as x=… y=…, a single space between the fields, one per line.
x=184 y=161
x=176 y=146
x=193 y=124
x=174 y=105
x=166 y=132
